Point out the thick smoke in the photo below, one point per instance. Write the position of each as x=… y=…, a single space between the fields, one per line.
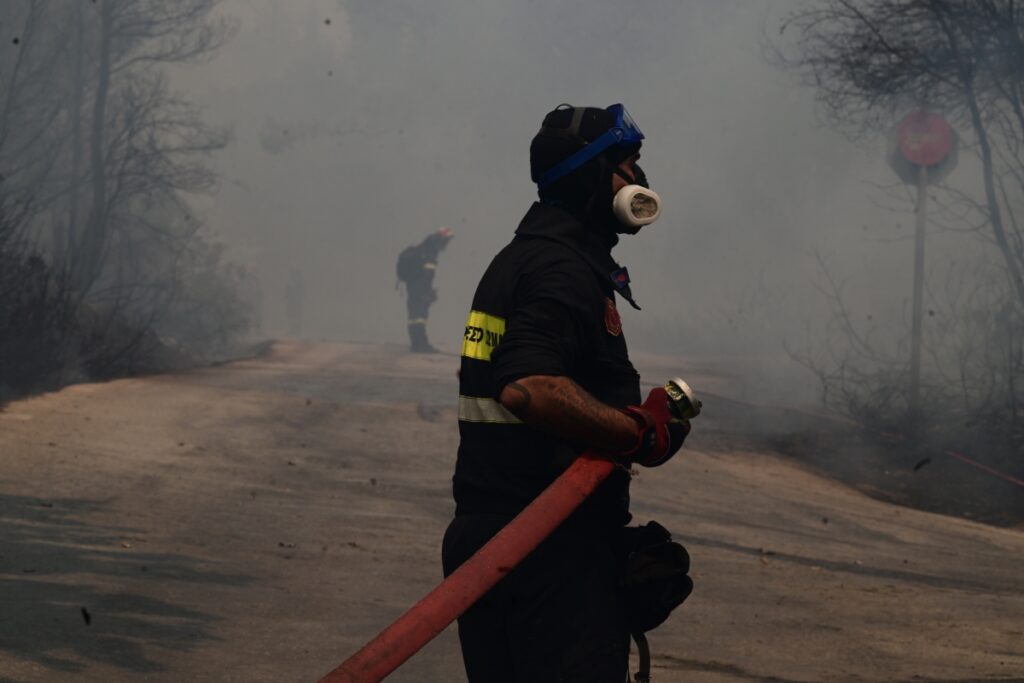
x=361 y=126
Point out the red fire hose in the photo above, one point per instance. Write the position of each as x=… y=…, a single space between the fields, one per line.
x=476 y=576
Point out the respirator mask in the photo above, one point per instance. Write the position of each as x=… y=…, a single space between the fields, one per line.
x=636 y=204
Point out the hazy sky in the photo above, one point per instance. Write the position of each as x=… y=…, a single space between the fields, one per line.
x=361 y=126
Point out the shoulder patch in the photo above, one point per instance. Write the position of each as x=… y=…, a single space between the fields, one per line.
x=612 y=321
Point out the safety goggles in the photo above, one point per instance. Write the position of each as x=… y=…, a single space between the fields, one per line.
x=624 y=131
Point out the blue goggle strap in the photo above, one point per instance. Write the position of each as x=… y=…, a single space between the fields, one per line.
x=625 y=130
x=563 y=168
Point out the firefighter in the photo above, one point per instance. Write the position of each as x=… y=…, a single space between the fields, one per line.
x=545 y=375
x=294 y=297
x=415 y=268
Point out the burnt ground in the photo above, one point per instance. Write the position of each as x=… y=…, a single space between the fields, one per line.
x=886 y=467
x=975 y=479
x=260 y=520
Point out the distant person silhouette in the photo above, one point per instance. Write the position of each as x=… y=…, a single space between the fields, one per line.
x=415 y=268
x=294 y=299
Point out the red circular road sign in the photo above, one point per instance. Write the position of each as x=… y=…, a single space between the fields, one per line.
x=925 y=139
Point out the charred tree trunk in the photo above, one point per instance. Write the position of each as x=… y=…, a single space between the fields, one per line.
x=93 y=241
x=995 y=214
x=69 y=237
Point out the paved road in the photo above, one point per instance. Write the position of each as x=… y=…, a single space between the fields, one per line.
x=258 y=521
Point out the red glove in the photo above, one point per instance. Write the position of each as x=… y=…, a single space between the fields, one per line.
x=661 y=433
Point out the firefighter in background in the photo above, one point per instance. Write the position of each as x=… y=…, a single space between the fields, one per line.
x=294 y=301
x=416 y=266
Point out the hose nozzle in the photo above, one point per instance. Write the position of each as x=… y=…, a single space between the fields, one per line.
x=681 y=400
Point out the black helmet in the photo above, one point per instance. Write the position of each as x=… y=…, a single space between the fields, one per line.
x=566 y=131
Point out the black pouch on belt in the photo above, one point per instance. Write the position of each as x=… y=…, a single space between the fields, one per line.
x=656 y=575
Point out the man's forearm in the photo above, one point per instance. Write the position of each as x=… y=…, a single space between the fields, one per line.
x=564 y=409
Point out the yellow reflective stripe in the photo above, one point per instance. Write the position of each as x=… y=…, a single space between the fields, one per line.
x=477 y=409
x=483 y=333
x=430 y=266
x=418 y=321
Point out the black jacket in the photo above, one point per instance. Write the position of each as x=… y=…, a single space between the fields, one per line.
x=545 y=306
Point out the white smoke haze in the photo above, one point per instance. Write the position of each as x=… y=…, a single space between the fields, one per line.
x=362 y=126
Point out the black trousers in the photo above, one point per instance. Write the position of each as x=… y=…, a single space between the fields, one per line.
x=418 y=306
x=418 y=302
x=556 y=618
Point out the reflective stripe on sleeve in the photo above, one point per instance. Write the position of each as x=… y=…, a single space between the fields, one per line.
x=430 y=266
x=417 y=321
x=477 y=409
x=483 y=333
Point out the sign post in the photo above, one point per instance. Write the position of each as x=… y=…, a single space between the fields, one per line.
x=917 y=311
x=923 y=149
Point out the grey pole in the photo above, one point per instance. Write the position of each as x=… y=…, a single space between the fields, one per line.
x=915 y=330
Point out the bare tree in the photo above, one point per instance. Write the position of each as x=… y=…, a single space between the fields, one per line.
x=867 y=59
x=150 y=140
x=30 y=111
x=99 y=252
